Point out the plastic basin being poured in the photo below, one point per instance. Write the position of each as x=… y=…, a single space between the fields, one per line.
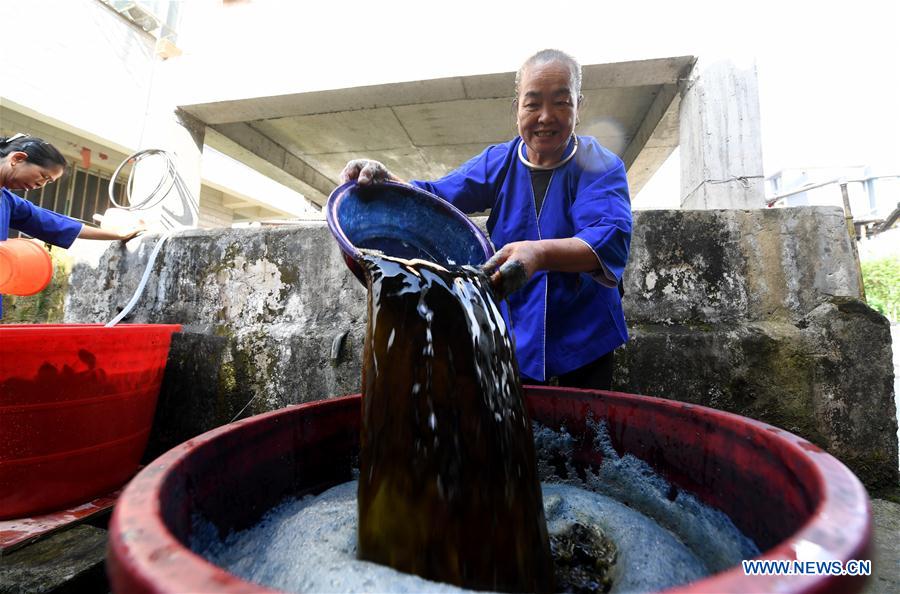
x=796 y=501
x=404 y=222
x=76 y=407
x=25 y=267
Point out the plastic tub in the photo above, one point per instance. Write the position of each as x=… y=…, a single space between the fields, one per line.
x=25 y=267
x=784 y=492
x=405 y=222
x=76 y=407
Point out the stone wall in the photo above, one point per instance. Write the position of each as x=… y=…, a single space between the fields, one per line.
x=755 y=312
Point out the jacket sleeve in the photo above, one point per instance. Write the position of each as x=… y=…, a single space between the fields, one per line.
x=601 y=215
x=474 y=185
x=41 y=223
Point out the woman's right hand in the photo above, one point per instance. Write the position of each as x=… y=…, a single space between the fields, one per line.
x=366 y=171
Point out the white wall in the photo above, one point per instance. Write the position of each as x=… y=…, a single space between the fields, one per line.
x=212 y=213
x=84 y=76
x=78 y=62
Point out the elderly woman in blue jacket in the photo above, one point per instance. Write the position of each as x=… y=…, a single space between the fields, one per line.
x=560 y=211
x=28 y=163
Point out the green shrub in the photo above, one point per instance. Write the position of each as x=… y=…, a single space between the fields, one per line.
x=882 y=281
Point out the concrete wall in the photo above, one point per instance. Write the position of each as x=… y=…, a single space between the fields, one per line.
x=749 y=311
x=757 y=312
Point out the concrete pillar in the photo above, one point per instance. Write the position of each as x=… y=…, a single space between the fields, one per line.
x=181 y=136
x=721 y=149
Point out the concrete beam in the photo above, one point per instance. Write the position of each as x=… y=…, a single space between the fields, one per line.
x=68 y=139
x=233 y=203
x=422 y=129
x=654 y=140
x=246 y=144
x=249 y=213
x=661 y=71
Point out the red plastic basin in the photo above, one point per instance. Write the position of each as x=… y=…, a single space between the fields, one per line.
x=76 y=407
x=784 y=492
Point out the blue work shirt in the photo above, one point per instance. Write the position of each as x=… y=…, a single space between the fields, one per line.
x=560 y=320
x=46 y=225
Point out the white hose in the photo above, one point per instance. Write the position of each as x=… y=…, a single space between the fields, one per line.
x=142 y=284
x=169 y=179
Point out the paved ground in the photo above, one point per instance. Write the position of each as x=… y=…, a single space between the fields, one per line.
x=886 y=564
x=886 y=560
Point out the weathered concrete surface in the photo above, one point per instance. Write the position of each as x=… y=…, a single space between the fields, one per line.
x=754 y=312
x=69 y=561
x=733 y=266
x=885 y=577
x=261 y=309
x=721 y=150
x=807 y=379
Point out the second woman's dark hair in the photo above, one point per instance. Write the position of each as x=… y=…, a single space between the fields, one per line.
x=40 y=153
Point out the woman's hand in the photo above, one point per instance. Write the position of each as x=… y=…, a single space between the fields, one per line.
x=367 y=171
x=516 y=262
x=512 y=266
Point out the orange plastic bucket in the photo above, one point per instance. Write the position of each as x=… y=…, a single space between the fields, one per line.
x=25 y=267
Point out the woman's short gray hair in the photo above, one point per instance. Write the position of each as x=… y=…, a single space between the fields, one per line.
x=547 y=56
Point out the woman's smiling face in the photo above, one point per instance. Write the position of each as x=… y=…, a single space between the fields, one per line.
x=547 y=111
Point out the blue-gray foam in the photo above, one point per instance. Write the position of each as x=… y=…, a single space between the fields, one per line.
x=309 y=544
x=706 y=531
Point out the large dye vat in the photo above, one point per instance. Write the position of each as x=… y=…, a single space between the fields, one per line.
x=782 y=491
x=76 y=407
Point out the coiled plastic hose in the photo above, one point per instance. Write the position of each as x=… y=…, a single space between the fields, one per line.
x=169 y=179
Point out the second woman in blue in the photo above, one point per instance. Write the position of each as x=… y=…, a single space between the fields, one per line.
x=28 y=163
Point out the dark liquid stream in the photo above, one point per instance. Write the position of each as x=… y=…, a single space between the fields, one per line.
x=448 y=487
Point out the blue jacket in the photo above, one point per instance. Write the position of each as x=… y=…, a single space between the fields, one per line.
x=561 y=321
x=46 y=225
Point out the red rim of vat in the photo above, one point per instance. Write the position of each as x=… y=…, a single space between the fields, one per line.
x=145 y=555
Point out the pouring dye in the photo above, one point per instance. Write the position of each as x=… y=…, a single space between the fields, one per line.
x=448 y=488
x=223 y=488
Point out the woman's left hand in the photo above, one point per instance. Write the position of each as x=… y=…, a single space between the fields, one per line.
x=512 y=266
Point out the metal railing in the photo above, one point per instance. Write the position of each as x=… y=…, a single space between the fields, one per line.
x=813 y=185
x=79 y=193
